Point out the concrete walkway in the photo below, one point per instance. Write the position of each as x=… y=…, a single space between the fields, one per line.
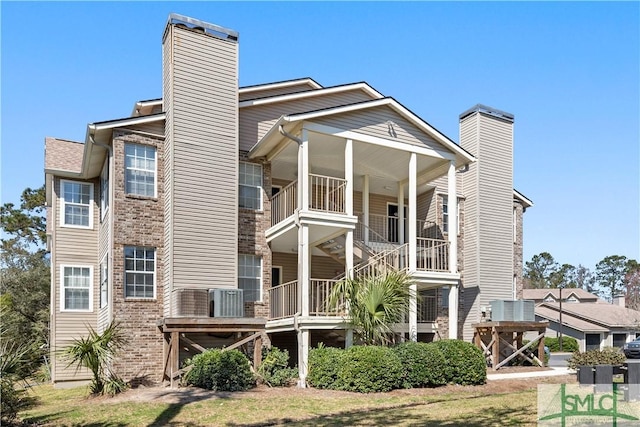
x=532 y=374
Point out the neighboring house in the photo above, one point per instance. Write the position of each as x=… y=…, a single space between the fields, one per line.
x=278 y=190
x=593 y=322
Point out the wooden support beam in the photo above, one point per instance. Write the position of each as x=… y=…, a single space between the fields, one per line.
x=197 y=346
x=244 y=341
x=520 y=351
x=495 y=351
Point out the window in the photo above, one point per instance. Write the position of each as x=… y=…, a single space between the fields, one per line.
x=104 y=281
x=140 y=271
x=140 y=170
x=250 y=277
x=445 y=215
x=77 y=201
x=250 y=191
x=104 y=188
x=76 y=288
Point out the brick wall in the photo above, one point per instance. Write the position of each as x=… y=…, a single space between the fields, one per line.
x=517 y=249
x=138 y=221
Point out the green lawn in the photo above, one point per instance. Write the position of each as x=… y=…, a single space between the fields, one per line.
x=488 y=405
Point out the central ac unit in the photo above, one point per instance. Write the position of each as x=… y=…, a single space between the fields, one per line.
x=191 y=303
x=226 y=303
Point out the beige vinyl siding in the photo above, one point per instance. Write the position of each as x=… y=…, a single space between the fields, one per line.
x=373 y=122
x=322 y=267
x=255 y=94
x=203 y=160
x=72 y=246
x=256 y=121
x=488 y=186
x=167 y=174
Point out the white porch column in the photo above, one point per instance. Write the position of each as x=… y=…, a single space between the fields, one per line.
x=365 y=208
x=348 y=175
x=303 y=171
x=413 y=213
x=452 y=199
x=304 y=269
x=303 y=356
x=401 y=239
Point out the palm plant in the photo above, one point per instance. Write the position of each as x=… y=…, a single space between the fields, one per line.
x=375 y=303
x=96 y=352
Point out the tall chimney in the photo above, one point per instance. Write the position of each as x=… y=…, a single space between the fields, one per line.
x=200 y=100
x=487 y=133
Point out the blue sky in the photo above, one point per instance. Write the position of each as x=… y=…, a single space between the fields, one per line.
x=569 y=72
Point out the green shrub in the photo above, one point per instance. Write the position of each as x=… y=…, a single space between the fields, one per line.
x=324 y=363
x=606 y=356
x=220 y=370
x=274 y=370
x=368 y=369
x=465 y=363
x=12 y=400
x=423 y=364
x=569 y=344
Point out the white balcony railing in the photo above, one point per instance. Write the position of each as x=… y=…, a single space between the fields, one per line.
x=283 y=300
x=320 y=293
x=432 y=255
x=327 y=194
x=283 y=204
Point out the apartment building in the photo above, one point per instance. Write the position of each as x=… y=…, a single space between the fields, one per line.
x=221 y=215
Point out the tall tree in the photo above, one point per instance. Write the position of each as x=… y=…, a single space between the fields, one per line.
x=610 y=273
x=563 y=277
x=584 y=279
x=24 y=279
x=538 y=272
x=632 y=285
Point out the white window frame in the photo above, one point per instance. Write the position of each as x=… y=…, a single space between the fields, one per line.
x=155 y=170
x=260 y=277
x=259 y=187
x=104 y=189
x=63 y=288
x=445 y=202
x=154 y=273
x=104 y=280
x=64 y=203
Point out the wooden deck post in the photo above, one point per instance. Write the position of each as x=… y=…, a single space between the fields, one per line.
x=257 y=352
x=495 y=351
x=175 y=357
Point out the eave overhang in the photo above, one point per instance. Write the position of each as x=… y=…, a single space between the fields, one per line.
x=374 y=94
x=525 y=202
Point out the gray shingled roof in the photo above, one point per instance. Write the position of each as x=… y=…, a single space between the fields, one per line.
x=541 y=294
x=63 y=155
x=597 y=314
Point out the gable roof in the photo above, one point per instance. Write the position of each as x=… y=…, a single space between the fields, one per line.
x=541 y=294
x=363 y=86
x=308 y=81
x=266 y=143
x=596 y=313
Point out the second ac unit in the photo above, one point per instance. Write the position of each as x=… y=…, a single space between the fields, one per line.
x=191 y=303
x=226 y=302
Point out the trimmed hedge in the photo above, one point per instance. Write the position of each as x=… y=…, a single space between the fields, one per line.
x=423 y=364
x=606 y=356
x=324 y=363
x=569 y=344
x=368 y=369
x=220 y=371
x=465 y=364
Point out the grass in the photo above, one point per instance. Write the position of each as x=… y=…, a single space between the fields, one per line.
x=469 y=406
